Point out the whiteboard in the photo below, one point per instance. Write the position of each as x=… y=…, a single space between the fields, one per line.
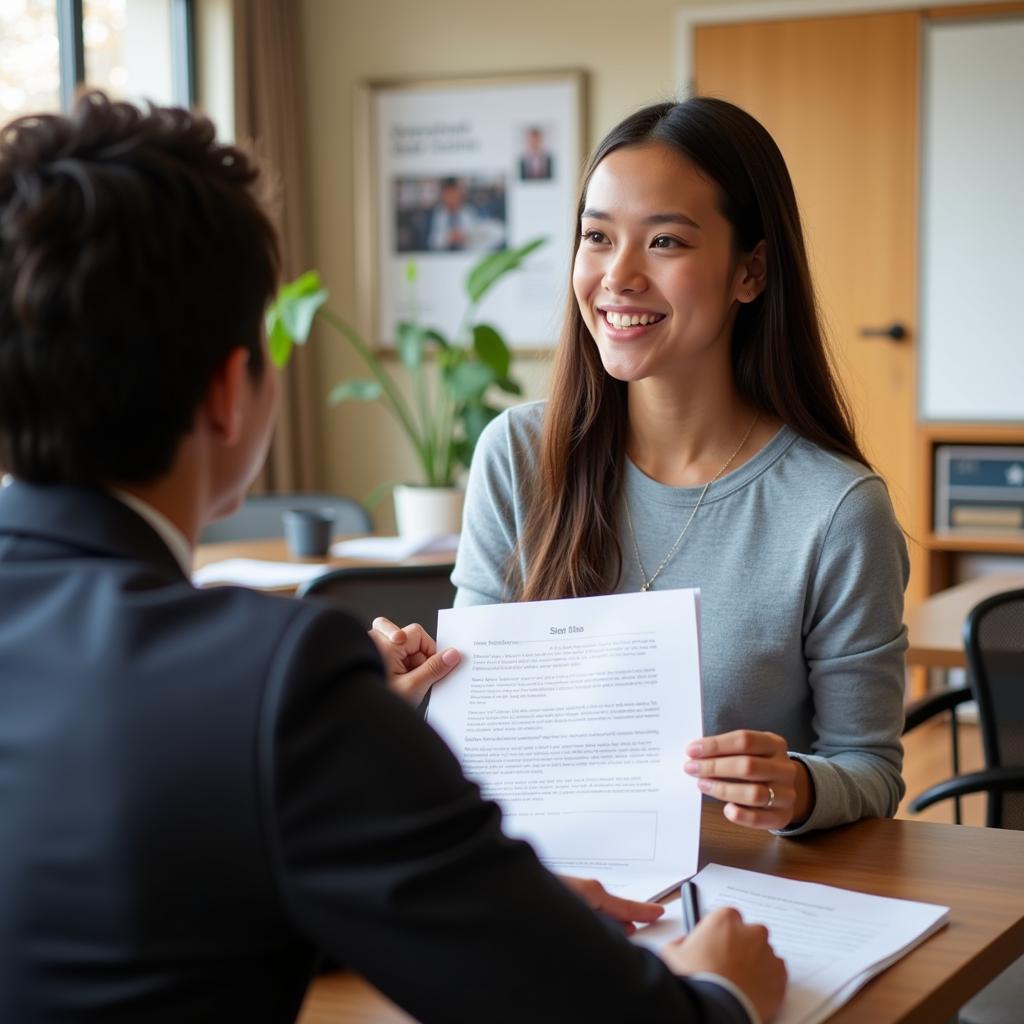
x=972 y=243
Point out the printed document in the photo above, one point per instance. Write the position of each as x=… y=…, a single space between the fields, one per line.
x=574 y=716
x=833 y=940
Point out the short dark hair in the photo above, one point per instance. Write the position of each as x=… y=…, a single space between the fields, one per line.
x=134 y=257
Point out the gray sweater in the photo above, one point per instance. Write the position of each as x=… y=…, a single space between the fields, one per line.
x=801 y=567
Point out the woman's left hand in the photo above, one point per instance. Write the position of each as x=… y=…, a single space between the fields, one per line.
x=754 y=776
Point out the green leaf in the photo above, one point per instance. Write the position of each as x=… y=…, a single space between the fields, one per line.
x=475 y=416
x=279 y=343
x=494 y=266
x=469 y=380
x=491 y=348
x=449 y=357
x=510 y=386
x=412 y=343
x=296 y=305
x=439 y=339
x=462 y=452
x=304 y=284
x=355 y=389
x=298 y=314
x=411 y=272
x=411 y=338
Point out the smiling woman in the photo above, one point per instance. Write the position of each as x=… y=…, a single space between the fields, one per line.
x=696 y=436
x=659 y=290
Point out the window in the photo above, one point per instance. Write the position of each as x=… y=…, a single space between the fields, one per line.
x=132 y=49
x=29 y=57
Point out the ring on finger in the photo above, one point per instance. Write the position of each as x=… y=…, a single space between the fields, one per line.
x=771 y=798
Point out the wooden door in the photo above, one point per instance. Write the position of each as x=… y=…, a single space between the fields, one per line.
x=840 y=96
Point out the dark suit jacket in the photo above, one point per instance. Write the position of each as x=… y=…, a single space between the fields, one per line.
x=542 y=171
x=200 y=789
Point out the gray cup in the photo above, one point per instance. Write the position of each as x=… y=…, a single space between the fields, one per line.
x=308 y=531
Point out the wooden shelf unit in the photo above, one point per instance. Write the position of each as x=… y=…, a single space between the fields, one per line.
x=940 y=548
x=988 y=544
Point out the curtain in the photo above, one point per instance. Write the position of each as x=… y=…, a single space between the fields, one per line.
x=269 y=117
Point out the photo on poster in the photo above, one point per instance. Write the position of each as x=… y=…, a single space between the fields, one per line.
x=454 y=169
x=450 y=213
x=536 y=159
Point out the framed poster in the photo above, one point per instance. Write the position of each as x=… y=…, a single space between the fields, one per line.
x=454 y=169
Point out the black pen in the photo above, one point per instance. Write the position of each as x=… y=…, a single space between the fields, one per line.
x=691 y=909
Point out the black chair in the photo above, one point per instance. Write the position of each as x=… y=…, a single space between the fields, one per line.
x=402 y=593
x=260 y=516
x=994 y=640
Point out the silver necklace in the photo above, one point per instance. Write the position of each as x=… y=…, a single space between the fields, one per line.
x=649 y=582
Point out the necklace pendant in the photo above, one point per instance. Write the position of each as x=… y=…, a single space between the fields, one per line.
x=648 y=583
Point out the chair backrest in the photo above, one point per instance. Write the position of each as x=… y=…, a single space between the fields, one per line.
x=994 y=640
x=260 y=516
x=403 y=593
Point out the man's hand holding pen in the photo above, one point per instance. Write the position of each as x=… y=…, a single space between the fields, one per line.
x=722 y=944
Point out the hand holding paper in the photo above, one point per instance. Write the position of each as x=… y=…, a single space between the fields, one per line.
x=573 y=715
x=411 y=658
x=754 y=776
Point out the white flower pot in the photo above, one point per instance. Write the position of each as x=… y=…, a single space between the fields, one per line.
x=422 y=512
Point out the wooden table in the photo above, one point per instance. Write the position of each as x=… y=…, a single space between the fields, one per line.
x=978 y=873
x=936 y=625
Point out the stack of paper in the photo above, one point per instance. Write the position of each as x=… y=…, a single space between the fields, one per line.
x=394 y=549
x=833 y=940
x=572 y=715
x=253 y=572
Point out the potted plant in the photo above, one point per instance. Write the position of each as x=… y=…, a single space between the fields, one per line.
x=452 y=383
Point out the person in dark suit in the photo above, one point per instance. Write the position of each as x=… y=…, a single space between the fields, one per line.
x=535 y=163
x=200 y=790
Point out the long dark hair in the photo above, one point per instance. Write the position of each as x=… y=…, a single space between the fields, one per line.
x=779 y=360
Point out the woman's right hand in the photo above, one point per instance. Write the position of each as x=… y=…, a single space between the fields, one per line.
x=723 y=944
x=411 y=658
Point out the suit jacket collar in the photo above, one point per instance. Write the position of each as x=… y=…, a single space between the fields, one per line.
x=83 y=518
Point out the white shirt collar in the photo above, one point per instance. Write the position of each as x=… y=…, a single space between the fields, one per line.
x=175 y=540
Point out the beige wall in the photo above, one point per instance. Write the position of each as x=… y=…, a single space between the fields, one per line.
x=628 y=52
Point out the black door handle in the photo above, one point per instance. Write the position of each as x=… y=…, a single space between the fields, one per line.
x=894 y=332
